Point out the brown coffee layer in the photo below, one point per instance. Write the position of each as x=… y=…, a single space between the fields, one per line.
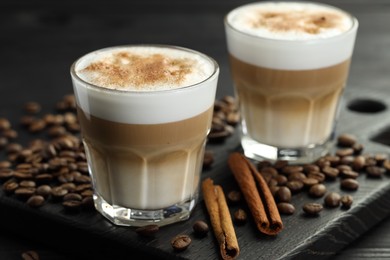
x=121 y=134
x=287 y=108
x=314 y=82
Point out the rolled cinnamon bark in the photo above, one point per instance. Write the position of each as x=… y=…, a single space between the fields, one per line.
x=258 y=197
x=220 y=219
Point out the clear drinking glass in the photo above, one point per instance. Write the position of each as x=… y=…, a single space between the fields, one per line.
x=289 y=64
x=145 y=146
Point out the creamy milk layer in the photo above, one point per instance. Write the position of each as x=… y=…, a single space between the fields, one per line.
x=143 y=68
x=144 y=84
x=290 y=21
x=290 y=35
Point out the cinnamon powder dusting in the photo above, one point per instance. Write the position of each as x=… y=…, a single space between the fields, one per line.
x=125 y=69
x=299 y=21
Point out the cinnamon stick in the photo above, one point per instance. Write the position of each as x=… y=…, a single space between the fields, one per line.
x=220 y=218
x=258 y=197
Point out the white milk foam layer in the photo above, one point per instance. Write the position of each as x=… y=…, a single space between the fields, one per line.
x=290 y=35
x=147 y=103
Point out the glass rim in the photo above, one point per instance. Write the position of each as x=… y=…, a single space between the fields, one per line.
x=204 y=56
x=353 y=26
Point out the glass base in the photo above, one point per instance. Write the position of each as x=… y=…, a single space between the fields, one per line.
x=299 y=155
x=134 y=217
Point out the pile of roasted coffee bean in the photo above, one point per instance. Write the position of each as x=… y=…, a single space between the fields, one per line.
x=344 y=166
x=225 y=117
x=52 y=166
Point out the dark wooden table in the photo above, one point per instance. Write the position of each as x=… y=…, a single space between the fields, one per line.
x=40 y=39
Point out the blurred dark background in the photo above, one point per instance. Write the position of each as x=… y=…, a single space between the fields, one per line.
x=40 y=39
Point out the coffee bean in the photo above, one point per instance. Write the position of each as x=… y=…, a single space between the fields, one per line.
x=234 y=196
x=27 y=184
x=72 y=205
x=233 y=118
x=343 y=167
x=346 y=140
x=13 y=148
x=334 y=160
x=347 y=160
x=58 y=192
x=283 y=194
x=375 y=171
x=88 y=203
x=4 y=124
x=317 y=175
x=240 y=217
x=286 y=208
x=280 y=164
x=359 y=162
x=82 y=179
x=35 y=201
x=281 y=179
x=295 y=186
x=180 y=242
x=274 y=189
x=311 y=168
x=357 y=148
x=345 y=152
x=5 y=164
x=288 y=169
x=264 y=164
x=71 y=187
x=10 y=134
x=24 y=193
x=380 y=158
x=332 y=199
x=330 y=172
x=317 y=190
x=30 y=255
x=322 y=162
x=312 y=208
x=208 y=159
x=308 y=182
x=349 y=184
x=297 y=176
x=10 y=186
x=6 y=174
x=36 y=126
x=386 y=165
x=349 y=174
x=148 y=230
x=217 y=137
x=72 y=196
x=272 y=182
x=370 y=161
x=200 y=228
x=87 y=192
x=3 y=142
x=32 y=107
x=269 y=171
x=43 y=178
x=43 y=190
x=346 y=201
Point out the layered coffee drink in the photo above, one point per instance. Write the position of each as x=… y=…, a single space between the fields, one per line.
x=145 y=112
x=290 y=63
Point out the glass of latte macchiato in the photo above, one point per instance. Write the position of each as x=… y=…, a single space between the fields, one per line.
x=145 y=112
x=289 y=63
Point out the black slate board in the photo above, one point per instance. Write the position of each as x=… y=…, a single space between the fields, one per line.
x=301 y=237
